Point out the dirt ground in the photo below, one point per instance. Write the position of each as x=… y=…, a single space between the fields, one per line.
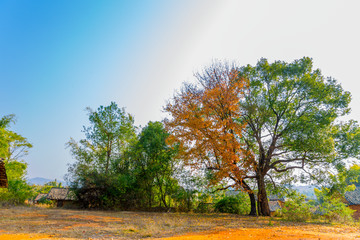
x=42 y=223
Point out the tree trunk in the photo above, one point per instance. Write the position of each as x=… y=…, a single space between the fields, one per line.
x=263 y=203
x=253 y=204
x=251 y=196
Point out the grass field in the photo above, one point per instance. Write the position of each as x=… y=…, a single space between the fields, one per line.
x=43 y=223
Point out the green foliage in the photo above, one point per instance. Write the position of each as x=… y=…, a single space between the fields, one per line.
x=297 y=106
x=114 y=168
x=110 y=133
x=12 y=148
x=100 y=172
x=332 y=206
x=191 y=191
x=228 y=205
x=334 y=210
x=238 y=204
x=19 y=190
x=291 y=111
x=4 y=132
x=353 y=175
x=154 y=167
x=46 y=201
x=296 y=209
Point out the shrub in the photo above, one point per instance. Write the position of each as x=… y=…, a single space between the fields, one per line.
x=229 y=205
x=296 y=209
x=204 y=207
x=334 y=210
x=332 y=207
x=17 y=192
x=44 y=200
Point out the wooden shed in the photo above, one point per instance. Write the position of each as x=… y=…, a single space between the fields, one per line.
x=3 y=176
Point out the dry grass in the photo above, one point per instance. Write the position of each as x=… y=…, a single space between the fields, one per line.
x=45 y=223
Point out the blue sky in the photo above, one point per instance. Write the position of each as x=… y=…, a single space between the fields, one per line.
x=59 y=57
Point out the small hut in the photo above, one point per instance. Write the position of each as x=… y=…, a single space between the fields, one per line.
x=3 y=176
x=275 y=203
x=62 y=196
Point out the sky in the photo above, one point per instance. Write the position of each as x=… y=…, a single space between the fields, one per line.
x=59 y=57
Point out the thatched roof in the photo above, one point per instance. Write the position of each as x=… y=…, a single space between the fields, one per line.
x=3 y=176
x=40 y=196
x=274 y=205
x=273 y=197
x=61 y=194
x=353 y=197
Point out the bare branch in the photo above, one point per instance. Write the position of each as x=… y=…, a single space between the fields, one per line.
x=286 y=161
x=292 y=167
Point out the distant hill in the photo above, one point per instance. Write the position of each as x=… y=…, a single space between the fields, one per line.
x=42 y=181
x=306 y=190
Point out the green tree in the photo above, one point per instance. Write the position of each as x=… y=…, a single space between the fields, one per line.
x=154 y=165
x=13 y=147
x=291 y=112
x=110 y=132
x=4 y=143
x=353 y=175
x=99 y=167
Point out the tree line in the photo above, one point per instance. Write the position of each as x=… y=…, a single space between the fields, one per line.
x=250 y=128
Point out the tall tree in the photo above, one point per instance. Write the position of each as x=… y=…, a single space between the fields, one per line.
x=204 y=120
x=97 y=172
x=154 y=165
x=110 y=132
x=291 y=112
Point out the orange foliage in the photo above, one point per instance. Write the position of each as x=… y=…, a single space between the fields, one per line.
x=204 y=122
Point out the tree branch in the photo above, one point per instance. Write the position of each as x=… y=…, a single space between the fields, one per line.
x=288 y=168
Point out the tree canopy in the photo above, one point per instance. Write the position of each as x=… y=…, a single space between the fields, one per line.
x=204 y=121
x=291 y=112
x=283 y=117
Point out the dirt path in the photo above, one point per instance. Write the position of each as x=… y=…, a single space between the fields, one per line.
x=38 y=223
x=277 y=233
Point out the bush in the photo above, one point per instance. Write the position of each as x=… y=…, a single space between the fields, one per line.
x=228 y=205
x=46 y=201
x=296 y=209
x=331 y=206
x=205 y=207
x=334 y=210
x=17 y=192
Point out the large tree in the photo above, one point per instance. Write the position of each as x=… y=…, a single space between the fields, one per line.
x=110 y=132
x=204 y=121
x=99 y=172
x=291 y=111
x=153 y=166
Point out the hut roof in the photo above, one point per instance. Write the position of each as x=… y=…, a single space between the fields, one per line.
x=40 y=196
x=272 y=197
x=3 y=176
x=274 y=205
x=353 y=197
x=61 y=194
